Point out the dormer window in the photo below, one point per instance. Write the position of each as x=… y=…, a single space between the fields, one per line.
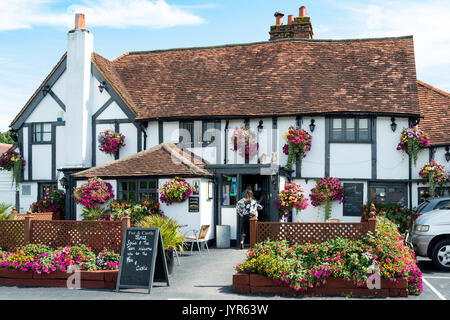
x=350 y=130
x=42 y=132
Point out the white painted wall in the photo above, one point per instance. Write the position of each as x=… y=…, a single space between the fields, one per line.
x=348 y=160
x=392 y=163
x=46 y=111
x=130 y=133
x=112 y=112
x=313 y=165
x=171 y=131
x=7 y=189
x=102 y=157
x=42 y=161
x=152 y=134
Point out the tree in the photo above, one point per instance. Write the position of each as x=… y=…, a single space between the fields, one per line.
x=5 y=137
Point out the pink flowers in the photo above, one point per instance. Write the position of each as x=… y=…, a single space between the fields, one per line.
x=434 y=173
x=9 y=159
x=412 y=140
x=111 y=142
x=326 y=190
x=243 y=140
x=175 y=190
x=298 y=143
x=93 y=193
x=292 y=197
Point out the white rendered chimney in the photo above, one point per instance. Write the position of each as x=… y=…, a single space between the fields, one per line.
x=78 y=127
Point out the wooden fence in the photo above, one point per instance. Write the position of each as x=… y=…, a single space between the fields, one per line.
x=58 y=233
x=313 y=232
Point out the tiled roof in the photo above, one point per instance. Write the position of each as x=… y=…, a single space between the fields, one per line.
x=435 y=108
x=4 y=147
x=165 y=159
x=269 y=78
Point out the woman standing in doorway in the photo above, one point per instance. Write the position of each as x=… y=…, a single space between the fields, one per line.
x=245 y=208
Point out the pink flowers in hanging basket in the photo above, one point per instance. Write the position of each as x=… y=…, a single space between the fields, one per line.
x=298 y=143
x=434 y=174
x=243 y=140
x=93 y=193
x=110 y=141
x=9 y=159
x=326 y=190
x=291 y=197
x=175 y=190
x=412 y=140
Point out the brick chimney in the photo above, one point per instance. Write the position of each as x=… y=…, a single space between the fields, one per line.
x=278 y=18
x=297 y=28
x=80 y=46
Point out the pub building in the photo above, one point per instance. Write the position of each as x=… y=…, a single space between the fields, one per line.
x=182 y=112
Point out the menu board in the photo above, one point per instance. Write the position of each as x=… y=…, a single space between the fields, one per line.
x=353 y=199
x=142 y=260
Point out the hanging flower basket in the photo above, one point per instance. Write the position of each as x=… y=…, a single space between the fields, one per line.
x=93 y=193
x=298 y=143
x=412 y=140
x=175 y=190
x=243 y=140
x=327 y=190
x=110 y=141
x=13 y=161
x=290 y=198
x=434 y=174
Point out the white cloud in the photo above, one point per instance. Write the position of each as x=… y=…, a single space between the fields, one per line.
x=20 y=14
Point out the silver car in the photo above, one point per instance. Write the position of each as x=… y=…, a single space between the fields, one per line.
x=430 y=237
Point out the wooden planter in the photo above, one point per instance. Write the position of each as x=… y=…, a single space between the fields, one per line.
x=255 y=283
x=89 y=279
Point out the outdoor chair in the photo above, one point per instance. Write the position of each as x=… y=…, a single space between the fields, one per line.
x=199 y=237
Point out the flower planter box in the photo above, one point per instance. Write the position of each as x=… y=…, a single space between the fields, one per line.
x=255 y=283
x=88 y=279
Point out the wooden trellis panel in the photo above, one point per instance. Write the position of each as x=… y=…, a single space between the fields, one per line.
x=95 y=234
x=12 y=234
x=301 y=233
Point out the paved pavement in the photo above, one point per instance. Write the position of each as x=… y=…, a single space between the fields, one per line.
x=208 y=277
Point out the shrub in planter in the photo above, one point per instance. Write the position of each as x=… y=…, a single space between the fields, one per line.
x=45 y=260
x=175 y=190
x=93 y=193
x=434 y=174
x=401 y=216
x=136 y=211
x=3 y=214
x=290 y=198
x=51 y=201
x=95 y=214
x=412 y=140
x=110 y=142
x=173 y=239
x=310 y=265
x=326 y=190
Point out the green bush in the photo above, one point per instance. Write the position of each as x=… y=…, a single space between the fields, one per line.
x=170 y=231
x=136 y=211
x=395 y=212
x=309 y=265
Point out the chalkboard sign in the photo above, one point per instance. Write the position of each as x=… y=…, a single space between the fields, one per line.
x=353 y=199
x=142 y=260
x=194 y=204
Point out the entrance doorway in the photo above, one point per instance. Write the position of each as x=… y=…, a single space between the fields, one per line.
x=260 y=186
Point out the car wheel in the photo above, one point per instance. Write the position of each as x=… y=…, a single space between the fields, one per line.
x=441 y=255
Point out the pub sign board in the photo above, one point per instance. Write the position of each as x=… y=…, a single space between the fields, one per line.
x=353 y=199
x=142 y=260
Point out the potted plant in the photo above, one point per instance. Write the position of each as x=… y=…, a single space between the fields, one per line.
x=93 y=193
x=51 y=201
x=290 y=198
x=243 y=141
x=175 y=190
x=171 y=234
x=412 y=140
x=111 y=141
x=13 y=161
x=434 y=174
x=325 y=191
x=298 y=143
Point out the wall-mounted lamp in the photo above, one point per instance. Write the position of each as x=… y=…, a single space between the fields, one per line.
x=260 y=126
x=64 y=183
x=393 y=124
x=312 y=126
x=46 y=90
x=447 y=154
x=102 y=86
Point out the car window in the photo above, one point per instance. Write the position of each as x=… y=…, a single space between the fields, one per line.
x=442 y=204
x=422 y=206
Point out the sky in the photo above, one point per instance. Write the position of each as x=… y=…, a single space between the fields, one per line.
x=33 y=33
